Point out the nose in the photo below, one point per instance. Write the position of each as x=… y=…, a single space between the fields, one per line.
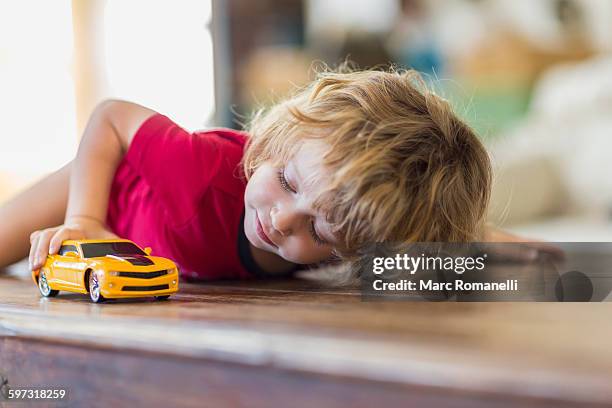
x=284 y=220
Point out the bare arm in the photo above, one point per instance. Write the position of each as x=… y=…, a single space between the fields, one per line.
x=41 y=205
x=528 y=251
x=107 y=136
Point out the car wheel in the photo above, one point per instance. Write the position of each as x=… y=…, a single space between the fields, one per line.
x=43 y=285
x=165 y=297
x=94 y=288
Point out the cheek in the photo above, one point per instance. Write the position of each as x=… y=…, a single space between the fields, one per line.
x=261 y=187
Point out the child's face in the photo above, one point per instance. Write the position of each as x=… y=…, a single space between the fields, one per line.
x=280 y=200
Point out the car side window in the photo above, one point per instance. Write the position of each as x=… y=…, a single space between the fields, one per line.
x=67 y=248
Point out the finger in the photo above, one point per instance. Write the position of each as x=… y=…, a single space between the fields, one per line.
x=56 y=240
x=540 y=247
x=552 y=250
x=522 y=253
x=62 y=235
x=42 y=250
x=34 y=235
x=33 y=252
x=513 y=252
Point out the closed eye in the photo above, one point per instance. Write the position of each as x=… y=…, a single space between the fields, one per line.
x=286 y=186
x=317 y=239
x=283 y=180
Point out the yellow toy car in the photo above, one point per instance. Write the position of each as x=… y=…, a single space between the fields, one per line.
x=106 y=269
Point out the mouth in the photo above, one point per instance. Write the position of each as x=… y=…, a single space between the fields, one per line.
x=262 y=233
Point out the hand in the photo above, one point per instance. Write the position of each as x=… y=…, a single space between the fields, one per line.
x=523 y=250
x=48 y=241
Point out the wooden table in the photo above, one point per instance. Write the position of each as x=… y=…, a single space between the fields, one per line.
x=295 y=343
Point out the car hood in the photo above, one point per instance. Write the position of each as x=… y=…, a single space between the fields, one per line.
x=131 y=262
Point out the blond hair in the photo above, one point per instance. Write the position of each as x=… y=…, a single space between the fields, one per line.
x=404 y=168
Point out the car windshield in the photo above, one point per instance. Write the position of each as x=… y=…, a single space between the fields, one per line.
x=94 y=250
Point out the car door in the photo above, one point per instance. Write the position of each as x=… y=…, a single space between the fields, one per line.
x=65 y=267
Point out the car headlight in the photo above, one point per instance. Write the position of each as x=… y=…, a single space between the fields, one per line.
x=172 y=271
x=113 y=273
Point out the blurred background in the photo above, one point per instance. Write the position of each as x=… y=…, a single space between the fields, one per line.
x=533 y=77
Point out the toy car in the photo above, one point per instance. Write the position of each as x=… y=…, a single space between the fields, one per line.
x=109 y=268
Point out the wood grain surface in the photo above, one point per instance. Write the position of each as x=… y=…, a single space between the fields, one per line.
x=298 y=343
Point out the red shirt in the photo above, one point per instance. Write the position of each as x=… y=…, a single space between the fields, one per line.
x=182 y=194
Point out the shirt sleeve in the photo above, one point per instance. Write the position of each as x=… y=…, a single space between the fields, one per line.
x=176 y=164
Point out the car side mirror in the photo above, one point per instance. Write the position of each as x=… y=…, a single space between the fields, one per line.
x=147 y=250
x=71 y=254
